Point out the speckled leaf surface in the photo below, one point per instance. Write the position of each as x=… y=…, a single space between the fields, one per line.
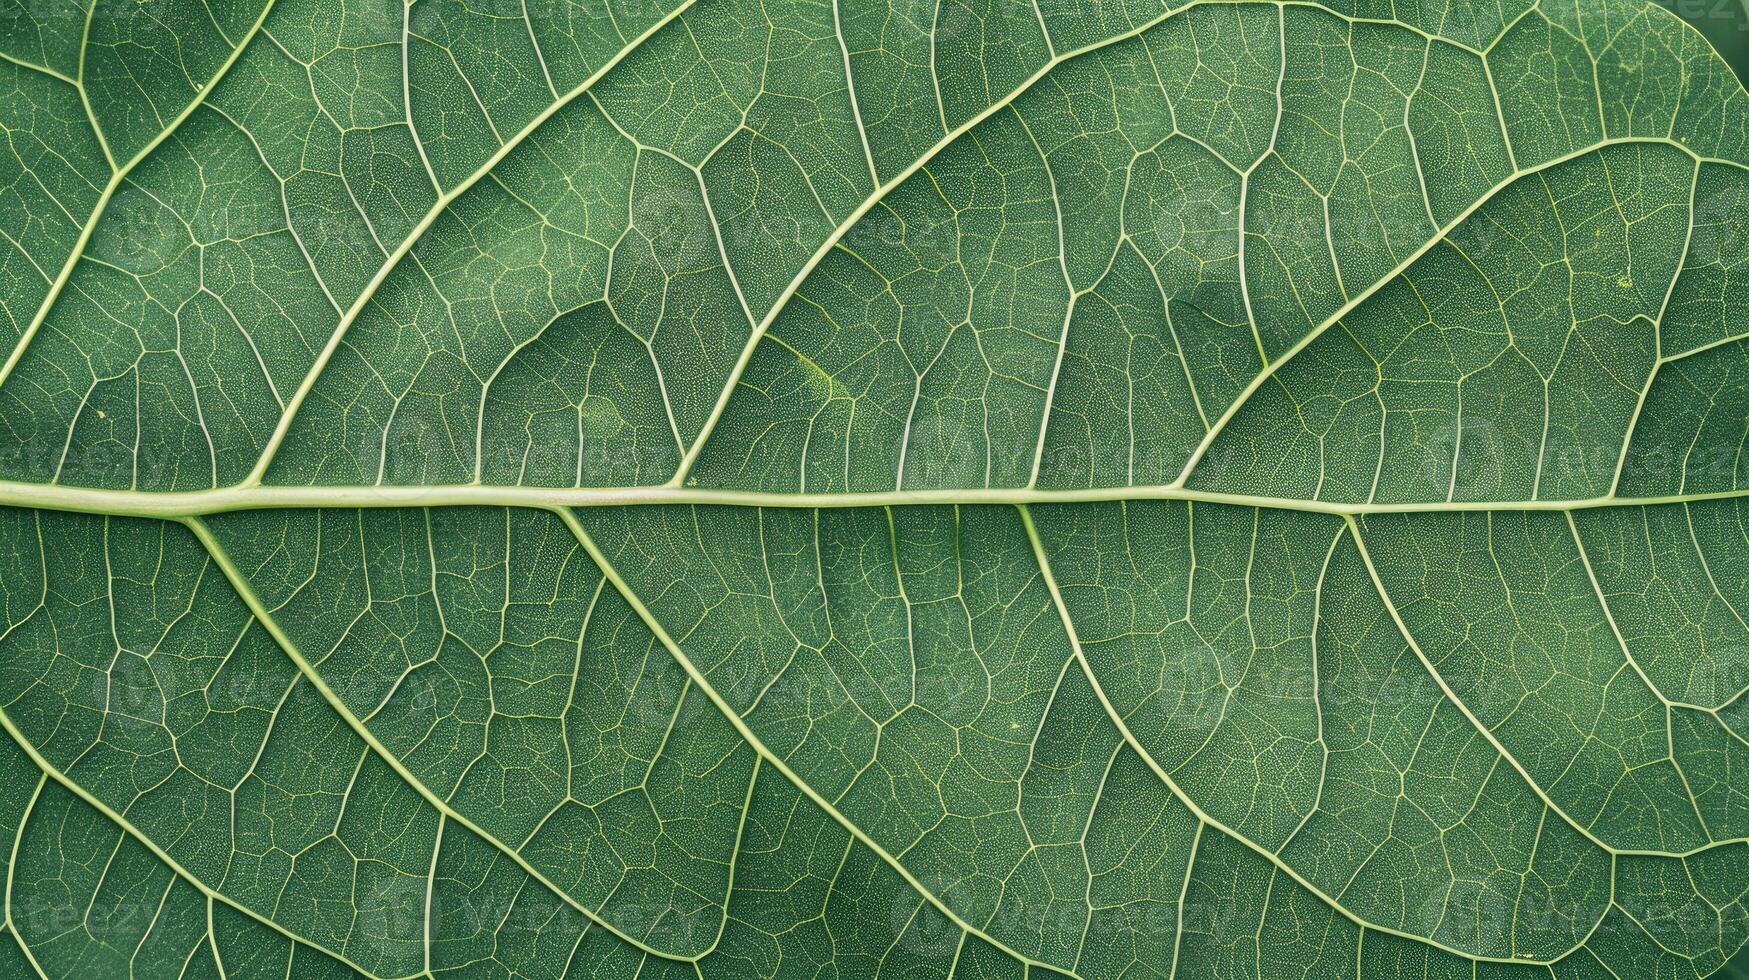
x=973 y=488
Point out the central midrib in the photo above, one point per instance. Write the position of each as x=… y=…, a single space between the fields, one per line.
x=196 y=503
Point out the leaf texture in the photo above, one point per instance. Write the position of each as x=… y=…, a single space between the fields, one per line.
x=569 y=488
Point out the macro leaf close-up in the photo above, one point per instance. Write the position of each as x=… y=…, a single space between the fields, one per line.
x=847 y=488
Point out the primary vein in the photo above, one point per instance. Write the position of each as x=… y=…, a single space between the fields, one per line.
x=194 y=503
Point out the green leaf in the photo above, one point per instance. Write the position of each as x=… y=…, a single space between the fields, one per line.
x=564 y=488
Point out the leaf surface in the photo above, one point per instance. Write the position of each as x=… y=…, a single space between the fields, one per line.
x=544 y=488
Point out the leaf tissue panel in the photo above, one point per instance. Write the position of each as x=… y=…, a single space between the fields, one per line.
x=838 y=488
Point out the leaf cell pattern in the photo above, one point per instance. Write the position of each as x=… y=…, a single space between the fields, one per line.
x=566 y=488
